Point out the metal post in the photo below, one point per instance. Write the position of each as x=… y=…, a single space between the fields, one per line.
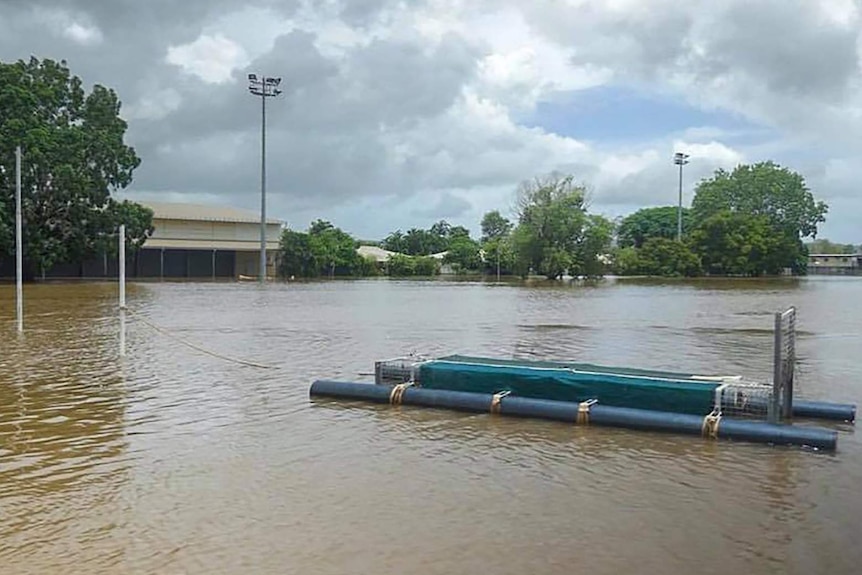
x=19 y=259
x=122 y=332
x=122 y=266
x=679 y=208
x=214 y=265
x=263 y=188
x=774 y=412
x=680 y=159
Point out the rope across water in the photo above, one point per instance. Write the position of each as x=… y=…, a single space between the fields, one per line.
x=197 y=347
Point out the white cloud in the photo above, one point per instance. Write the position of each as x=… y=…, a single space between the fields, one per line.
x=212 y=58
x=83 y=34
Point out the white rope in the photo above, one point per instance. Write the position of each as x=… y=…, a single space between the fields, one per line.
x=199 y=348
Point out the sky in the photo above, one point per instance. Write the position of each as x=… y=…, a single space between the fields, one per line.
x=398 y=113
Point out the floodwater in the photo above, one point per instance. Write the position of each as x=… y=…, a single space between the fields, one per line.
x=173 y=461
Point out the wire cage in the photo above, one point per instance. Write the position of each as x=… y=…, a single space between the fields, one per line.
x=398 y=370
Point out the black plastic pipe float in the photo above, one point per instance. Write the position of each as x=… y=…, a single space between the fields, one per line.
x=814 y=409
x=824 y=410
x=713 y=426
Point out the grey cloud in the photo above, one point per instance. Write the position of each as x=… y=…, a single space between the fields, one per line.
x=327 y=133
x=777 y=43
x=780 y=44
x=447 y=205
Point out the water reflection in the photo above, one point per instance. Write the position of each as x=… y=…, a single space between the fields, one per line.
x=62 y=437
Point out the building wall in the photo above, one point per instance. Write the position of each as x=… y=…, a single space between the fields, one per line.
x=213 y=231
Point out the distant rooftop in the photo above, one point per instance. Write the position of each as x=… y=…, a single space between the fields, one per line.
x=203 y=212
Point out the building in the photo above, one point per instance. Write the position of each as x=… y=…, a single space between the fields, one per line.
x=203 y=241
x=188 y=241
x=837 y=264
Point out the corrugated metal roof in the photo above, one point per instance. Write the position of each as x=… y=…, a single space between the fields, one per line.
x=203 y=212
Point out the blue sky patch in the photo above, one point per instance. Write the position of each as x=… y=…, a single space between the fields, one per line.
x=618 y=114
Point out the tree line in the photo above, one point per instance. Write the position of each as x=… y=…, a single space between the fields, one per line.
x=553 y=235
x=751 y=221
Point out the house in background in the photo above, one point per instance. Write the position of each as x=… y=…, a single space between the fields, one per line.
x=835 y=264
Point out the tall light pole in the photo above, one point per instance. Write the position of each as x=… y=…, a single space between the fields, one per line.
x=265 y=87
x=680 y=160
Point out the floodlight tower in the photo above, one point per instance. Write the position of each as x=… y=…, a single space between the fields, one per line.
x=265 y=87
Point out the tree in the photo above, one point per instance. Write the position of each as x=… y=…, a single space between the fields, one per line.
x=646 y=223
x=593 y=245
x=824 y=246
x=333 y=250
x=499 y=255
x=296 y=256
x=772 y=196
x=667 y=257
x=495 y=226
x=74 y=157
x=551 y=222
x=730 y=243
x=138 y=220
x=324 y=250
x=764 y=189
x=395 y=242
x=401 y=266
x=6 y=233
x=419 y=242
x=627 y=261
x=463 y=254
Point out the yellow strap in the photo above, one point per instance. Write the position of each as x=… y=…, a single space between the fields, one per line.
x=398 y=392
x=584 y=411
x=710 y=425
x=496 y=400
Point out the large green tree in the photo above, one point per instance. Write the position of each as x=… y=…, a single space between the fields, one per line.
x=555 y=234
x=646 y=223
x=74 y=157
x=775 y=197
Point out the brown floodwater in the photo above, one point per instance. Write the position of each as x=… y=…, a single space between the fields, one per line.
x=172 y=461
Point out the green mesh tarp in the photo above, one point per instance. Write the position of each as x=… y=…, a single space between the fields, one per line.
x=557 y=381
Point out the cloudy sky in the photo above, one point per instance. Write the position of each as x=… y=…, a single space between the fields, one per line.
x=398 y=113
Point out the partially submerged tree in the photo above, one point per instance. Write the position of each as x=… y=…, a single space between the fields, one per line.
x=555 y=234
x=768 y=195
